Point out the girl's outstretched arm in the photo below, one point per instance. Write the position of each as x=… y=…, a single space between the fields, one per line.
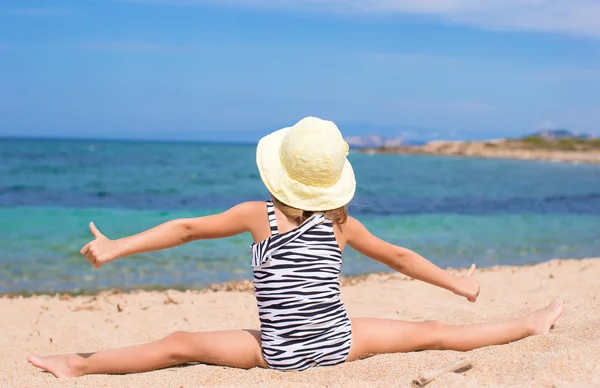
x=408 y=262
x=169 y=234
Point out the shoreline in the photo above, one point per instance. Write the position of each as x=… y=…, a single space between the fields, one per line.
x=483 y=150
x=247 y=286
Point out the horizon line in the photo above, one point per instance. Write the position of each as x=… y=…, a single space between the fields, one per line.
x=247 y=142
x=132 y=140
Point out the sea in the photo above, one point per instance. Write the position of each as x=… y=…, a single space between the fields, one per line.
x=453 y=211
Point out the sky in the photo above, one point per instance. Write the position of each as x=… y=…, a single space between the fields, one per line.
x=234 y=70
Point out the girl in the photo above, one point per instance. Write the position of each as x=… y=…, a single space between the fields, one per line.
x=299 y=237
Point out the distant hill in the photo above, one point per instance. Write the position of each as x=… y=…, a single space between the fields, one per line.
x=372 y=141
x=376 y=141
x=550 y=139
x=556 y=145
x=558 y=134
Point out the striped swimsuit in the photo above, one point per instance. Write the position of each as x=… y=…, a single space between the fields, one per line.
x=296 y=280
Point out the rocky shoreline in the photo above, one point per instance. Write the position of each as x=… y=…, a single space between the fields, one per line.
x=495 y=149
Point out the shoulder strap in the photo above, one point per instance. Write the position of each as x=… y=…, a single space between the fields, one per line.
x=272 y=218
x=261 y=255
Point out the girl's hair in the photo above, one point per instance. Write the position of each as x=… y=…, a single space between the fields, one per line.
x=339 y=216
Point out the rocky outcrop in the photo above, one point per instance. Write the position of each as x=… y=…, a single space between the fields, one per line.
x=502 y=148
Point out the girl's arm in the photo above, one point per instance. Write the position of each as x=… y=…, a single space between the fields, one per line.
x=169 y=234
x=408 y=262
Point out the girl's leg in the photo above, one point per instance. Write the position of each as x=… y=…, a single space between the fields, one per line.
x=235 y=348
x=377 y=336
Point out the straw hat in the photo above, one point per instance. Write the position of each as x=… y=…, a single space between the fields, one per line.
x=305 y=166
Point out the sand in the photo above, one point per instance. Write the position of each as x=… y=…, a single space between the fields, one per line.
x=567 y=357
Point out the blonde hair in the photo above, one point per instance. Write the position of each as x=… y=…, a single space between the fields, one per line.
x=339 y=216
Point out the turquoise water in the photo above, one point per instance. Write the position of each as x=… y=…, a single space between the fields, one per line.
x=454 y=211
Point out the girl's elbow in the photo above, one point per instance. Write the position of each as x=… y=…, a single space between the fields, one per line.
x=399 y=259
x=186 y=231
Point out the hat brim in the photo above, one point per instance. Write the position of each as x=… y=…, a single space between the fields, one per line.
x=294 y=193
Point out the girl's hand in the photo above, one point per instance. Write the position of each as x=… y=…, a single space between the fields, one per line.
x=101 y=250
x=466 y=286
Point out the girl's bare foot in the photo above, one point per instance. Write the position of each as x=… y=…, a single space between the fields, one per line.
x=542 y=320
x=66 y=365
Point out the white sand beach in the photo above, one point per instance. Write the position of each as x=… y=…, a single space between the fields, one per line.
x=567 y=357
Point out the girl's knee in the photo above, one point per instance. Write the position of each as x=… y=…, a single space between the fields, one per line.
x=436 y=334
x=177 y=345
x=178 y=336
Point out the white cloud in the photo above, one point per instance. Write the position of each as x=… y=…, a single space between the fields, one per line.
x=579 y=17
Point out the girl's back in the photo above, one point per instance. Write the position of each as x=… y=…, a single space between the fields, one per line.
x=296 y=280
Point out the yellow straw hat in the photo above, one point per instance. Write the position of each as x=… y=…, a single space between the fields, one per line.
x=305 y=166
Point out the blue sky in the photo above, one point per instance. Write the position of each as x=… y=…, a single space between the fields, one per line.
x=237 y=69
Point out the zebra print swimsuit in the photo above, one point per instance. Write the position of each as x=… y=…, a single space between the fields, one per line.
x=296 y=280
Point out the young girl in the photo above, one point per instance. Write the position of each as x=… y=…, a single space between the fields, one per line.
x=299 y=237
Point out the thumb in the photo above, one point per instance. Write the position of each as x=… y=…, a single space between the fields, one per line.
x=471 y=270
x=95 y=231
